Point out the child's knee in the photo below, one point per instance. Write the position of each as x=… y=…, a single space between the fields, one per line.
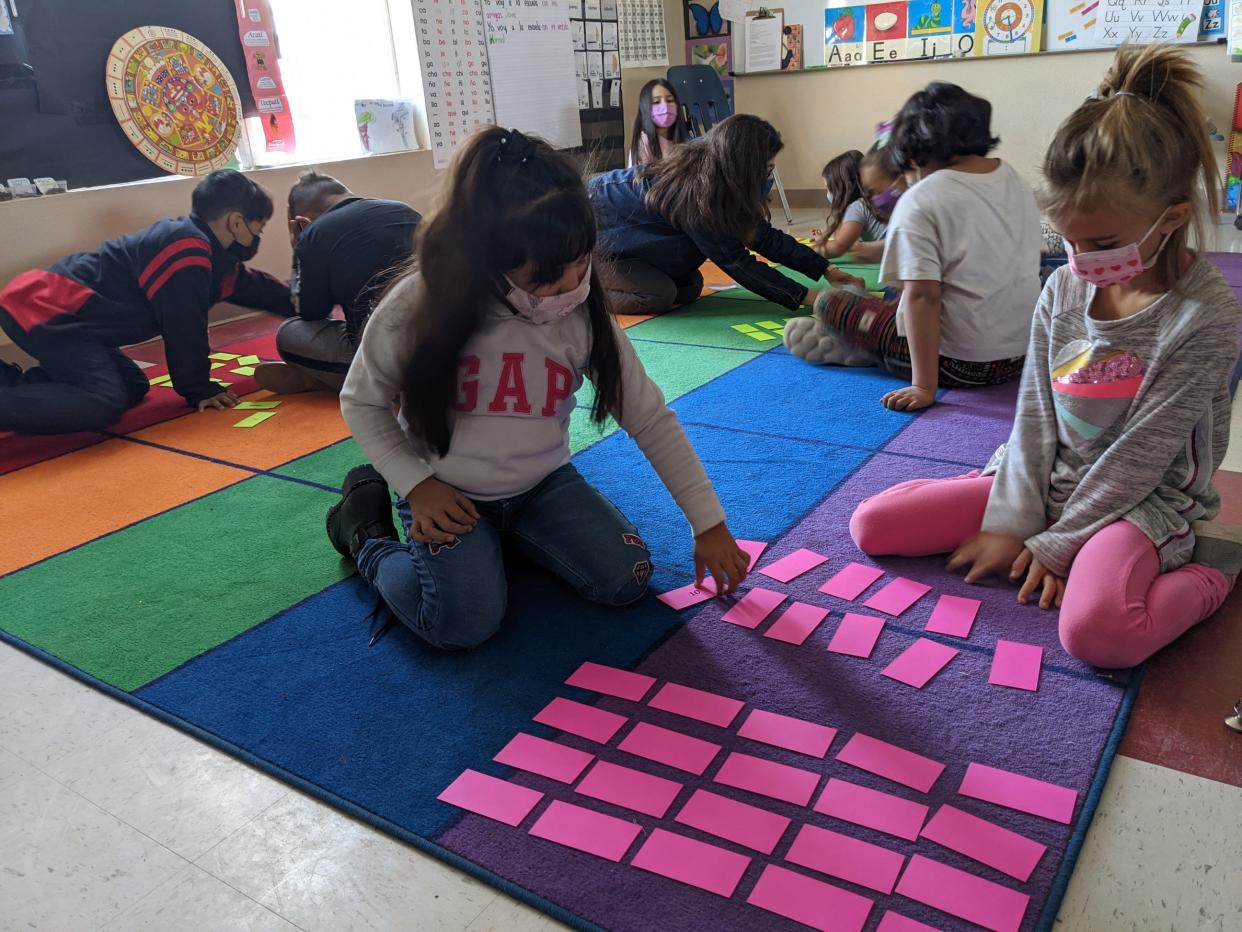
x=1097 y=635
x=623 y=584
x=464 y=628
x=873 y=525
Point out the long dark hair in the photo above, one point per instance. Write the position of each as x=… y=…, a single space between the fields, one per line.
x=714 y=184
x=844 y=186
x=644 y=125
x=511 y=200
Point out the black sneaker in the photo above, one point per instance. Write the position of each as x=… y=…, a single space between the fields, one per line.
x=363 y=513
x=10 y=374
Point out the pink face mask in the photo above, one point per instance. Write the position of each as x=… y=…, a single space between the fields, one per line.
x=552 y=308
x=1107 y=267
x=664 y=115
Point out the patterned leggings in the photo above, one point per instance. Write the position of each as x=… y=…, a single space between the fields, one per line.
x=871 y=323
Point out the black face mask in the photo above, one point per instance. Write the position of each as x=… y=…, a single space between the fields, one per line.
x=244 y=253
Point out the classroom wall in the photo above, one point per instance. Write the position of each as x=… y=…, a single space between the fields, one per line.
x=633 y=79
x=822 y=113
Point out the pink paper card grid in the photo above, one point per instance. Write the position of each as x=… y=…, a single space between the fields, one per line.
x=797 y=623
x=612 y=682
x=896 y=922
x=768 y=778
x=688 y=595
x=733 y=821
x=691 y=862
x=846 y=858
x=872 y=809
x=963 y=895
x=755 y=606
x=632 y=789
x=985 y=842
x=585 y=721
x=954 y=616
x=791 y=567
x=852 y=581
x=897 y=596
x=668 y=747
x=586 y=830
x=1015 y=791
x=856 y=635
x=491 y=797
x=809 y=901
x=753 y=550
x=1016 y=665
x=918 y=663
x=792 y=734
x=696 y=704
x=546 y=758
x=891 y=762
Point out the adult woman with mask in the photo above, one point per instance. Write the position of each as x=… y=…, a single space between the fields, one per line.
x=658 y=126
x=706 y=200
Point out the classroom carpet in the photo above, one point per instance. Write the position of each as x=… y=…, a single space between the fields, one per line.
x=180 y=564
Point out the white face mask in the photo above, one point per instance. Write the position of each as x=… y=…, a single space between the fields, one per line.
x=552 y=308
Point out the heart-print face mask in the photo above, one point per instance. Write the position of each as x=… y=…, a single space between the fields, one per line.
x=1107 y=267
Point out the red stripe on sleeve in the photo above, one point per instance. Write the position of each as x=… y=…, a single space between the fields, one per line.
x=181 y=245
x=173 y=269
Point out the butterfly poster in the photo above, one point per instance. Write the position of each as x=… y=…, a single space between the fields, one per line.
x=703 y=20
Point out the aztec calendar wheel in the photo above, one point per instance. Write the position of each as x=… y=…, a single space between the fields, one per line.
x=1008 y=20
x=174 y=99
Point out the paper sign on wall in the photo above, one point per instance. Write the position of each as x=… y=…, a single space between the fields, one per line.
x=1146 y=21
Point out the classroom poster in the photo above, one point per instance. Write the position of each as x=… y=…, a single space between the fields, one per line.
x=457 y=83
x=1148 y=21
x=964 y=28
x=844 y=36
x=594 y=36
x=608 y=10
x=257 y=31
x=1012 y=27
x=644 y=42
x=1212 y=24
x=713 y=52
x=610 y=36
x=612 y=65
x=595 y=65
x=791 y=48
x=886 y=31
x=930 y=28
x=764 y=33
x=1071 y=25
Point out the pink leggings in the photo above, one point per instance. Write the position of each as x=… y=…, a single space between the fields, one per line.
x=1118 y=610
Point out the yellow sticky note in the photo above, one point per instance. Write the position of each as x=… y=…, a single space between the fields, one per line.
x=770 y=325
x=255 y=405
x=744 y=328
x=161 y=380
x=223 y=356
x=255 y=419
x=244 y=370
x=217 y=365
x=760 y=336
x=248 y=360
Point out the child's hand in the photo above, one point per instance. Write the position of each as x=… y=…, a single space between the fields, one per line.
x=987 y=553
x=717 y=553
x=1037 y=576
x=837 y=277
x=220 y=402
x=912 y=398
x=439 y=512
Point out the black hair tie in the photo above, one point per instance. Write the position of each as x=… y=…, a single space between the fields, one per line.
x=515 y=146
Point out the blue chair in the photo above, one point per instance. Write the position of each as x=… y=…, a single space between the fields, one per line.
x=704 y=103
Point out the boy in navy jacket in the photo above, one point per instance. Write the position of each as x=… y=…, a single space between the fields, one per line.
x=161 y=281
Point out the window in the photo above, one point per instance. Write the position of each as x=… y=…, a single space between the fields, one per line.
x=332 y=54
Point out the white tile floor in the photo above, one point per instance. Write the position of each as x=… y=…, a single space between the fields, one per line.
x=111 y=820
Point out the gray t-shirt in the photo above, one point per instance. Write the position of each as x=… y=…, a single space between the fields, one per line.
x=1119 y=419
x=873 y=227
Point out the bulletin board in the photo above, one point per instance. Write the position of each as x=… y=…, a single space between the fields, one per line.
x=595 y=28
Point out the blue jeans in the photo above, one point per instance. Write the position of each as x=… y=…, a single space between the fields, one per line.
x=454 y=596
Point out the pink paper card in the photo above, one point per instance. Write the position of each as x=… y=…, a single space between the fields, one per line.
x=985 y=842
x=792 y=734
x=611 y=682
x=856 y=635
x=954 y=616
x=809 y=901
x=585 y=721
x=546 y=758
x=1016 y=665
x=1015 y=791
x=872 y=809
x=755 y=606
x=852 y=581
x=488 y=796
x=963 y=895
x=691 y=862
x=891 y=762
x=631 y=789
x=797 y=623
x=753 y=550
x=897 y=596
x=733 y=821
x=847 y=858
x=687 y=596
x=669 y=747
x=794 y=565
x=896 y=922
x=918 y=663
x=602 y=835
x=768 y=778
x=696 y=704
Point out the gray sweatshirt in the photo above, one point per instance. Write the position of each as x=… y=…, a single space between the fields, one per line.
x=510 y=426
x=1119 y=419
